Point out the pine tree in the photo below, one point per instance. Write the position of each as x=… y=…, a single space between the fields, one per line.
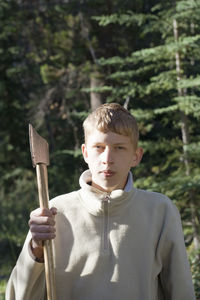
x=161 y=81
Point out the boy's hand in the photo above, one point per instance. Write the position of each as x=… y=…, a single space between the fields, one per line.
x=42 y=227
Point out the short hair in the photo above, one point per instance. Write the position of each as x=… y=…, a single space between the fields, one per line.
x=112 y=117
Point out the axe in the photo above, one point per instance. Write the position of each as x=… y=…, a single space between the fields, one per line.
x=40 y=159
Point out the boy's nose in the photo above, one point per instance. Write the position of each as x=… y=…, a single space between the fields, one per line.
x=107 y=156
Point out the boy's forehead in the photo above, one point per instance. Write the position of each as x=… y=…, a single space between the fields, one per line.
x=110 y=137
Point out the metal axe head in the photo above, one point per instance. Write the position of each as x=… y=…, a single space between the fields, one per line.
x=39 y=148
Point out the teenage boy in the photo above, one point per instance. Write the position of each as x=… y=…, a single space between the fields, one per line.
x=113 y=241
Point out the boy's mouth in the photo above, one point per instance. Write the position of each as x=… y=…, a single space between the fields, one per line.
x=108 y=173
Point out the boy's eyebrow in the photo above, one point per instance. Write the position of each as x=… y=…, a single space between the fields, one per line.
x=115 y=144
x=119 y=144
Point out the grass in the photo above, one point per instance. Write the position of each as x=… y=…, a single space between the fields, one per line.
x=2 y=289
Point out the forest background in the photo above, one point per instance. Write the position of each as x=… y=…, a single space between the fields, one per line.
x=61 y=59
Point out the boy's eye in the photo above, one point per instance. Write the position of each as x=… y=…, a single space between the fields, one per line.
x=98 y=147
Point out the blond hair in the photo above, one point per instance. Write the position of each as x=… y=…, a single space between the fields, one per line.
x=112 y=117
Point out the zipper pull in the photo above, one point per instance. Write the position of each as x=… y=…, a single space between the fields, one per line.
x=105 y=231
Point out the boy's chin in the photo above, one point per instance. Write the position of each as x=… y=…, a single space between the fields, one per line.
x=104 y=187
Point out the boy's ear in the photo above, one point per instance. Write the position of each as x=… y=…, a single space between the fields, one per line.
x=137 y=156
x=84 y=152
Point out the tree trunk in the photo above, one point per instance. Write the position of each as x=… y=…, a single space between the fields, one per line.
x=95 y=77
x=95 y=97
x=186 y=140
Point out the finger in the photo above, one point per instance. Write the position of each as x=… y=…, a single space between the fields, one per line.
x=42 y=236
x=42 y=228
x=53 y=211
x=41 y=220
x=41 y=212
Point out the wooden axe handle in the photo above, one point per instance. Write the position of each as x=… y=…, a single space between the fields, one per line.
x=42 y=182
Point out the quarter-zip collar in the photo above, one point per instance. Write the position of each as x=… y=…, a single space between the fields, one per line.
x=92 y=198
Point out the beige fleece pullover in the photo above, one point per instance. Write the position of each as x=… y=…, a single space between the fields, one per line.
x=124 y=245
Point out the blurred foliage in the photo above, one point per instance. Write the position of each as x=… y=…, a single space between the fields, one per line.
x=50 y=50
x=195 y=266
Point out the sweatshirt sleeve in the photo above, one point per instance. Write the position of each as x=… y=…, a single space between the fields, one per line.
x=27 y=280
x=175 y=276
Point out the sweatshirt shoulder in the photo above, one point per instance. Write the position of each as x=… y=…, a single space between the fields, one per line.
x=154 y=199
x=149 y=195
x=69 y=199
x=156 y=203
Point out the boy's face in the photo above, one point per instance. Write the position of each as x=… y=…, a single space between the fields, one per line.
x=109 y=157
